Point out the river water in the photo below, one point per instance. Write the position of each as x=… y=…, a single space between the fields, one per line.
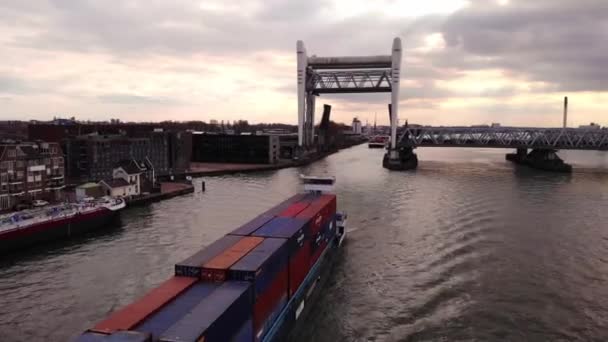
x=467 y=247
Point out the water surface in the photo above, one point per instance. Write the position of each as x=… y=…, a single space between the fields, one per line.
x=467 y=247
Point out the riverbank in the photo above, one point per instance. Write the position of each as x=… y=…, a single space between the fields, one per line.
x=167 y=190
x=218 y=169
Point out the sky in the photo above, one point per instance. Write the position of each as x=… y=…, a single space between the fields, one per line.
x=464 y=62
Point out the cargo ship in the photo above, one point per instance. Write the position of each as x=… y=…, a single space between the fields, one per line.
x=24 y=228
x=254 y=284
x=378 y=141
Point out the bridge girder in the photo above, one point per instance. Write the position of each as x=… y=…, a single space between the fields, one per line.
x=362 y=81
x=506 y=137
x=345 y=75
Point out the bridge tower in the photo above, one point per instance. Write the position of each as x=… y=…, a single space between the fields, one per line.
x=347 y=75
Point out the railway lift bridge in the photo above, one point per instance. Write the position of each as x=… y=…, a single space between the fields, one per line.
x=347 y=75
x=381 y=74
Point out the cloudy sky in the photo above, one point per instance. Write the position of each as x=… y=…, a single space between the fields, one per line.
x=465 y=62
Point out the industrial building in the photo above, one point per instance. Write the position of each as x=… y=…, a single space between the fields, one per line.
x=223 y=148
x=93 y=156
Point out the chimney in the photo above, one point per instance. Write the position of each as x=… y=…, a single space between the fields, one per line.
x=565 y=111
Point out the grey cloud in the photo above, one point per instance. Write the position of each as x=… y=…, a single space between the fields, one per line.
x=182 y=28
x=292 y=11
x=12 y=85
x=559 y=42
x=130 y=99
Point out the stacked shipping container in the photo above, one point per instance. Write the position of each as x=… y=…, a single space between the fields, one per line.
x=235 y=288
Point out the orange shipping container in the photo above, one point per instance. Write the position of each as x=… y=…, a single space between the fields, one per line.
x=131 y=315
x=217 y=268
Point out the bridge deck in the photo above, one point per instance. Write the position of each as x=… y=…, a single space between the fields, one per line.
x=506 y=137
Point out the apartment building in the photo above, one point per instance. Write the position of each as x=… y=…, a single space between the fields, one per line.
x=30 y=171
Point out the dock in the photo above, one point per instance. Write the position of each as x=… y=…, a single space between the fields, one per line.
x=167 y=190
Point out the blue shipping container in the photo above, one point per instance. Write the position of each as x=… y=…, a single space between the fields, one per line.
x=261 y=264
x=295 y=230
x=259 y=221
x=252 y=225
x=90 y=337
x=119 y=336
x=129 y=336
x=162 y=320
x=215 y=318
x=192 y=266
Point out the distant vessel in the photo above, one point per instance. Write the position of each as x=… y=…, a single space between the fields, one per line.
x=27 y=227
x=378 y=141
x=255 y=284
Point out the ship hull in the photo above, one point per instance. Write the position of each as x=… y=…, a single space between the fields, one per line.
x=290 y=321
x=58 y=229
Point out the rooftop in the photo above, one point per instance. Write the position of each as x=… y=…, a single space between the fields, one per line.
x=116 y=183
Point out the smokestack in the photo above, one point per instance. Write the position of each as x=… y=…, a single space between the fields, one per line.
x=565 y=111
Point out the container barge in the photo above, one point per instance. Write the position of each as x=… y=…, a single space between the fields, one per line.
x=28 y=227
x=253 y=284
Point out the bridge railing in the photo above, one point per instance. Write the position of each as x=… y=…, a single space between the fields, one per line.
x=506 y=137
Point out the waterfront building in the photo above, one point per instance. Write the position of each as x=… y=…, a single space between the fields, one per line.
x=223 y=148
x=30 y=171
x=356 y=127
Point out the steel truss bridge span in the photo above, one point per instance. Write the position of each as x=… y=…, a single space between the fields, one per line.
x=506 y=137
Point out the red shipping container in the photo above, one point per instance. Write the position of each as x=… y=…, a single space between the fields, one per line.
x=317 y=253
x=329 y=205
x=299 y=265
x=321 y=211
x=270 y=301
x=217 y=268
x=294 y=209
x=136 y=312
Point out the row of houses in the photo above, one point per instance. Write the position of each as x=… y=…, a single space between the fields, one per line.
x=31 y=171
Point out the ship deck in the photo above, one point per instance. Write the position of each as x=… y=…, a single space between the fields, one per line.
x=27 y=218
